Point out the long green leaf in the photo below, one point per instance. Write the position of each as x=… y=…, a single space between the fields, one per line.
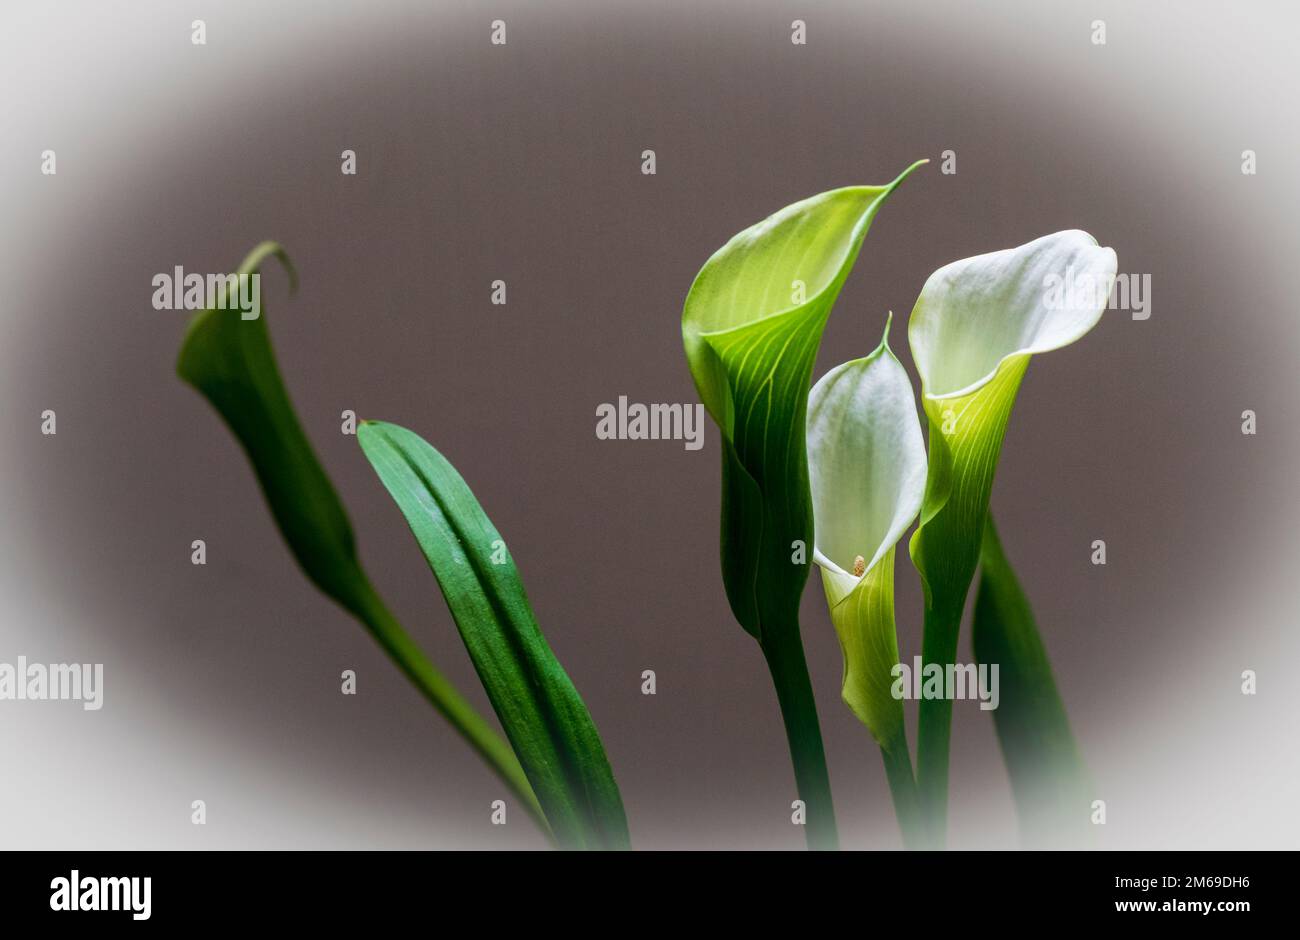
x=751 y=325
x=1047 y=773
x=541 y=711
x=229 y=360
x=976 y=324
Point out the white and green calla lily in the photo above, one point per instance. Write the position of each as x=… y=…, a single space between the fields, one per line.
x=973 y=330
x=866 y=467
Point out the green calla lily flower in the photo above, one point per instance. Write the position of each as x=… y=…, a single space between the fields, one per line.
x=751 y=326
x=973 y=330
x=867 y=470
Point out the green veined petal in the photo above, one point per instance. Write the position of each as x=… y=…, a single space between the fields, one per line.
x=751 y=326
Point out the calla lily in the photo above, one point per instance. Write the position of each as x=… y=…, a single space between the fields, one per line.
x=973 y=330
x=866 y=467
x=751 y=325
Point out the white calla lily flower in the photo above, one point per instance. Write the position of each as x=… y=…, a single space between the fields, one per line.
x=867 y=471
x=973 y=330
x=975 y=314
x=866 y=464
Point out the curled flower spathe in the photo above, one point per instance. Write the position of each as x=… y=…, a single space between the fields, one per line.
x=867 y=470
x=975 y=314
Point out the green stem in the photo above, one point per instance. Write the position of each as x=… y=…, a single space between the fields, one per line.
x=785 y=660
x=435 y=687
x=934 y=730
x=946 y=550
x=902 y=789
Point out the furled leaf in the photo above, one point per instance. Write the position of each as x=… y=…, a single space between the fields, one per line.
x=751 y=326
x=230 y=362
x=866 y=466
x=541 y=711
x=1047 y=772
x=975 y=326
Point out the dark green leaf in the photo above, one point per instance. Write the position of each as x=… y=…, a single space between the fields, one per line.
x=541 y=711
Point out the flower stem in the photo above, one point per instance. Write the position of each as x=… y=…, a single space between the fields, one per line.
x=783 y=651
x=934 y=731
x=902 y=789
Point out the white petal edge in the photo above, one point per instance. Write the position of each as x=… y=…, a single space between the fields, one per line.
x=866 y=463
x=975 y=313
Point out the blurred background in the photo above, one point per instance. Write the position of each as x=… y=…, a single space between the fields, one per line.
x=522 y=163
